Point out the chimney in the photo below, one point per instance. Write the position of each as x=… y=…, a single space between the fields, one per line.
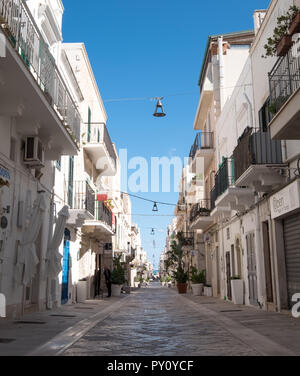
x=258 y=17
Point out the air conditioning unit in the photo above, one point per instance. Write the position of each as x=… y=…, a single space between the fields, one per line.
x=34 y=152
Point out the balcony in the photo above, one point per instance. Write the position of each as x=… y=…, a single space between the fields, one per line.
x=186 y=239
x=226 y=195
x=81 y=198
x=203 y=147
x=97 y=144
x=101 y=227
x=258 y=161
x=284 y=80
x=33 y=90
x=200 y=217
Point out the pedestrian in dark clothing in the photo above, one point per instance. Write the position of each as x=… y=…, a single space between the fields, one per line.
x=107 y=275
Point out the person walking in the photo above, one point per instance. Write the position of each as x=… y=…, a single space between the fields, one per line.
x=107 y=275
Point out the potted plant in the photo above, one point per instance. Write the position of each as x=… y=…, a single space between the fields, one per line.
x=198 y=281
x=181 y=277
x=237 y=288
x=281 y=40
x=136 y=281
x=169 y=281
x=117 y=277
x=175 y=257
x=295 y=24
x=163 y=281
x=141 y=281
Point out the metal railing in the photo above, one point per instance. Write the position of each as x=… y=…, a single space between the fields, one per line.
x=284 y=79
x=96 y=133
x=213 y=197
x=186 y=238
x=24 y=35
x=201 y=209
x=256 y=147
x=103 y=214
x=224 y=179
x=81 y=196
x=203 y=141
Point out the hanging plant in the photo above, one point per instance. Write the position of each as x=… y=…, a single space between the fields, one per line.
x=281 y=41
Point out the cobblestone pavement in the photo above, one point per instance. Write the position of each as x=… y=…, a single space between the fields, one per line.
x=159 y=322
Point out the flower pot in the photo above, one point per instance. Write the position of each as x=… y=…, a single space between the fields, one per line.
x=295 y=26
x=182 y=288
x=208 y=291
x=237 y=288
x=197 y=289
x=284 y=45
x=116 y=290
x=136 y=284
x=163 y=284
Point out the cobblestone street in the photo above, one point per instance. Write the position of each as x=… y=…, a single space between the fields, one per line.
x=152 y=321
x=158 y=322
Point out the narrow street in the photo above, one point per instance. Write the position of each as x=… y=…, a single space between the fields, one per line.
x=156 y=321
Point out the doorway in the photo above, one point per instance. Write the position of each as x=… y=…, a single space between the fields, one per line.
x=228 y=276
x=267 y=261
x=252 y=271
x=66 y=268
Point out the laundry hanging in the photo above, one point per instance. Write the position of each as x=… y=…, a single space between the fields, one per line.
x=27 y=259
x=54 y=258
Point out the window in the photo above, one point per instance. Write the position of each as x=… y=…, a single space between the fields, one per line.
x=264 y=116
x=12 y=153
x=58 y=164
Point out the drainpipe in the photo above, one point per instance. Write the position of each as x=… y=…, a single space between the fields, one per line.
x=222 y=74
x=48 y=288
x=251 y=110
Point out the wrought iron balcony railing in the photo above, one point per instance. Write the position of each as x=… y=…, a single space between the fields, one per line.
x=256 y=147
x=203 y=141
x=98 y=134
x=284 y=79
x=103 y=214
x=24 y=35
x=224 y=179
x=201 y=209
x=81 y=196
x=186 y=238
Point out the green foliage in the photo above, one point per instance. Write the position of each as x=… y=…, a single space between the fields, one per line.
x=198 y=277
x=168 y=279
x=118 y=273
x=282 y=29
x=180 y=275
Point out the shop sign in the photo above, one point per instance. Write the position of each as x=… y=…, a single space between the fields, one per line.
x=285 y=201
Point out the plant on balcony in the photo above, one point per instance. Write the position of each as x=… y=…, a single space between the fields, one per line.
x=275 y=105
x=281 y=41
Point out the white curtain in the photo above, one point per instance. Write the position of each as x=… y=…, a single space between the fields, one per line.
x=53 y=255
x=27 y=259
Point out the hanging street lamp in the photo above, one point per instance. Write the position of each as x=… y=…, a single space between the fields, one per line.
x=159 y=110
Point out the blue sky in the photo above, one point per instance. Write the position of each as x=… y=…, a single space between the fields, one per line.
x=142 y=48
